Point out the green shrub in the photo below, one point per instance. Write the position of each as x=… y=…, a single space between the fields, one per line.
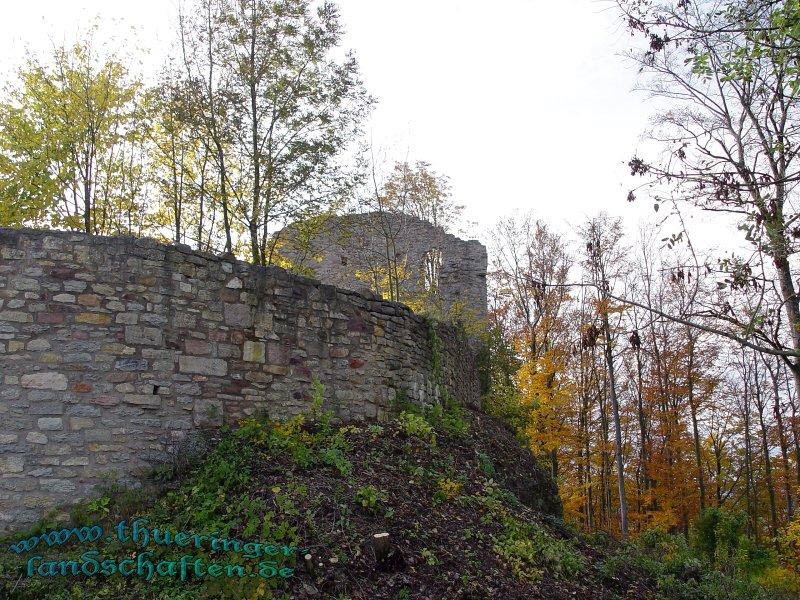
x=782 y=581
x=684 y=571
x=716 y=533
x=447 y=489
x=430 y=557
x=485 y=463
x=504 y=402
x=368 y=497
x=527 y=547
x=416 y=426
x=752 y=559
x=449 y=418
x=709 y=585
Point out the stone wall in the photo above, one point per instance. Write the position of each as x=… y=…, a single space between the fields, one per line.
x=344 y=250
x=113 y=350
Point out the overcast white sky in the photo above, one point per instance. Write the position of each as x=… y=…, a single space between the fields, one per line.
x=524 y=104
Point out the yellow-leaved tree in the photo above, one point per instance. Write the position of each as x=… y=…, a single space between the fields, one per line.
x=544 y=387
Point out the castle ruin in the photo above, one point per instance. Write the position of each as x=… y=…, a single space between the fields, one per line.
x=356 y=251
x=114 y=350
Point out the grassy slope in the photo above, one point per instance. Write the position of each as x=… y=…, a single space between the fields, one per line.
x=470 y=513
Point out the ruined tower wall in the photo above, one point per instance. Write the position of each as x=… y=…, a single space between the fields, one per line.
x=344 y=247
x=113 y=350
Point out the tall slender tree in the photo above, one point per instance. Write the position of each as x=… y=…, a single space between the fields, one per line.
x=277 y=107
x=71 y=134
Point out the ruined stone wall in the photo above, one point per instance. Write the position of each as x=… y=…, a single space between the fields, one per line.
x=341 y=247
x=113 y=350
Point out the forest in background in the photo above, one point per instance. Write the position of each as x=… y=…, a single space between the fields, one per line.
x=659 y=383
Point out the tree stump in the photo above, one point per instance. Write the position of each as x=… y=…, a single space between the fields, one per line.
x=387 y=558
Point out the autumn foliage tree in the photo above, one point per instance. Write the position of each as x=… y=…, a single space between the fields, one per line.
x=71 y=132
x=698 y=422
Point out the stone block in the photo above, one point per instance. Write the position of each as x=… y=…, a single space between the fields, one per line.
x=105 y=448
x=48 y=380
x=89 y=300
x=184 y=320
x=52 y=449
x=50 y=423
x=63 y=486
x=24 y=283
x=97 y=435
x=237 y=315
x=148 y=336
x=38 y=344
x=277 y=354
x=264 y=316
x=127 y=318
x=50 y=358
x=143 y=400
x=153 y=319
x=254 y=352
x=193 y=346
x=93 y=318
x=131 y=364
x=207 y=412
x=36 y=437
x=116 y=348
x=54 y=407
x=11 y=464
x=50 y=318
x=79 y=423
x=105 y=400
x=228 y=351
x=74 y=286
x=103 y=289
x=40 y=472
x=202 y=366
x=83 y=410
x=40 y=501
x=15 y=316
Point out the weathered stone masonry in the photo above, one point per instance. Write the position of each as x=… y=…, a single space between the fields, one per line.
x=112 y=350
x=344 y=245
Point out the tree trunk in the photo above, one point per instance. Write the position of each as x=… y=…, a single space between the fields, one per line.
x=87 y=206
x=793 y=423
x=202 y=195
x=760 y=403
x=768 y=472
x=255 y=208
x=792 y=308
x=782 y=440
x=176 y=188
x=623 y=501
x=752 y=525
x=695 y=431
x=223 y=192
x=718 y=472
x=644 y=441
